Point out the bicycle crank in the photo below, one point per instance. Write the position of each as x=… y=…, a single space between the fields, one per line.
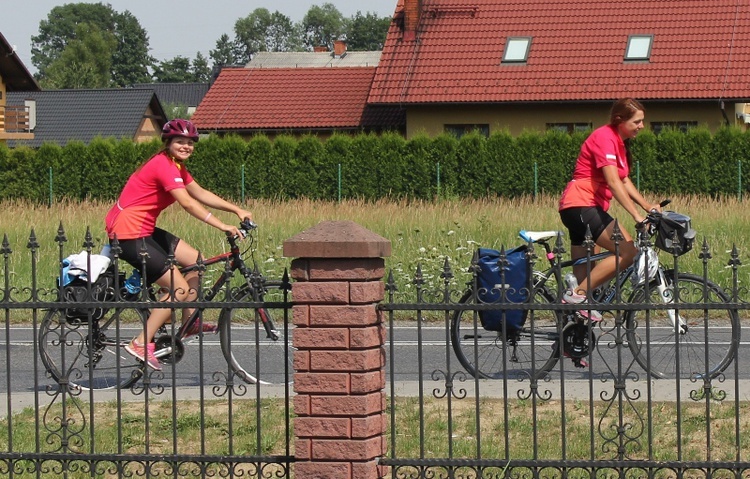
x=169 y=350
x=577 y=342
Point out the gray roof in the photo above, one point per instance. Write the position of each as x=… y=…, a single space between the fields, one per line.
x=313 y=59
x=189 y=94
x=65 y=115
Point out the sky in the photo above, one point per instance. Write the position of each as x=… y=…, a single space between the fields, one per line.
x=174 y=27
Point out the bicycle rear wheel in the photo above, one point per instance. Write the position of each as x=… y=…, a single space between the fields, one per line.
x=702 y=344
x=89 y=355
x=255 y=349
x=529 y=353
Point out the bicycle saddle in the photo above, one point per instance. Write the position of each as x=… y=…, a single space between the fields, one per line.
x=535 y=236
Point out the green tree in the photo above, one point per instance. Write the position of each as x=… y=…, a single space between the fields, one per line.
x=263 y=31
x=283 y=35
x=200 y=69
x=322 y=25
x=367 y=32
x=176 y=70
x=226 y=52
x=129 y=58
x=84 y=63
x=250 y=32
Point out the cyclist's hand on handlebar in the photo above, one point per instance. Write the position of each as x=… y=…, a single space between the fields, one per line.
x=244 y=215
x=655 y=208
x=232 y=231
x=640 y=222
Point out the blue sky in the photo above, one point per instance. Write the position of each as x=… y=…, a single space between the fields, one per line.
x=193 y=27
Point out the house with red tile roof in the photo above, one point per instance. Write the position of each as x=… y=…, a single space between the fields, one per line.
x=295 y=101
x=456 y=65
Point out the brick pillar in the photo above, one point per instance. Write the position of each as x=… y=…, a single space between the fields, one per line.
x=339 y=362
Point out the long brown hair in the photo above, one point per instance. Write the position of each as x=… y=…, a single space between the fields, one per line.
x=622 y=111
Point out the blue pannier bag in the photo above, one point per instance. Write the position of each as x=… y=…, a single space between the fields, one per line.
x=491 y=285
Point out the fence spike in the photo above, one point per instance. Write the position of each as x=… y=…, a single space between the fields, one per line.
x=88 y=242
x=390 y=285
x=447 y=273
x=6 y=246
x=61 y=238
x=705 y=253
x=588 y=240
x=32 y=244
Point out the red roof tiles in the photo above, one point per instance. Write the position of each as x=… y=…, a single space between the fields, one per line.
x=701 y=50
x=292 y=98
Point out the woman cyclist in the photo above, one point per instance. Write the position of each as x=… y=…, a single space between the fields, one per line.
x=601 y=173
x=161 y=181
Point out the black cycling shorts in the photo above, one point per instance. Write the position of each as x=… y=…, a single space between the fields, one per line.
x=158 y=247
x=576 y=219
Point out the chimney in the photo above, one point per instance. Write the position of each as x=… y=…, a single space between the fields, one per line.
x=412 y=10
x=339 y=48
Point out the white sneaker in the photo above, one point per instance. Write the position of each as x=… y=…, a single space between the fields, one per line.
x=572 y=298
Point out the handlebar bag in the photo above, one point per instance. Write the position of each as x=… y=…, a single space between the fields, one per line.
x=674 y=234
x=503 y=284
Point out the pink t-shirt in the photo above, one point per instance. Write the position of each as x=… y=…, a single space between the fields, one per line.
x=145 y=195
x=588 y=187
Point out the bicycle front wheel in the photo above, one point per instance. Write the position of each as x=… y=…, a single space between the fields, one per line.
x=255 y=349
x=684 y=343
x=89 y=355
x=528 y=353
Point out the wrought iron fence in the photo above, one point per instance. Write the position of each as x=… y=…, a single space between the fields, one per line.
x=658 y=388
x=218 y=408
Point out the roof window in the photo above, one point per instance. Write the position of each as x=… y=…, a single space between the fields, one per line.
x=639 y=48
x=517 y=50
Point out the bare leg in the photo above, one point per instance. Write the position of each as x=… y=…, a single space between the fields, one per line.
x=604 y=269
x=159 y=316
x=186 y=255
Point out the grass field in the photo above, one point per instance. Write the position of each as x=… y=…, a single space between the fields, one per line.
x=589 y=429
x=421 y=233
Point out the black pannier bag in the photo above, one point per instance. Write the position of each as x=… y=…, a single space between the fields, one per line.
x=674 y=234
x=103 y=289
x=490 y=281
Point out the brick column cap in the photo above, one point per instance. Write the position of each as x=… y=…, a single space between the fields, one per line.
x=337 y=239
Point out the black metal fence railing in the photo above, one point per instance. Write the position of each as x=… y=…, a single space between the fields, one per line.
x=74 y=403
x=656 y=389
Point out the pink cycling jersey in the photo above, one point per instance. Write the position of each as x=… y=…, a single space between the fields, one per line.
x=145 y=195
x=588 y=187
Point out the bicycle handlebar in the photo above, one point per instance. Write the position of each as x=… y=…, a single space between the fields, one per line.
x=652 y=218
x=246 y=226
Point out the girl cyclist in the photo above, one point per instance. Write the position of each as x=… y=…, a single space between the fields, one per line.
x=601 y=173
x=161 y=181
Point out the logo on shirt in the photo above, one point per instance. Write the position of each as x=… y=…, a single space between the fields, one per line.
x=178 y=180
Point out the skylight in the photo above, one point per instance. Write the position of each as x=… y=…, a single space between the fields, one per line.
x=517 y=50
x=639 y=47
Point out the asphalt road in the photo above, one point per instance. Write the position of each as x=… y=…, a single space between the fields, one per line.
x=407 y=362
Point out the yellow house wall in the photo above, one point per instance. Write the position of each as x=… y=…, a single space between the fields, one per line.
x=516 y=119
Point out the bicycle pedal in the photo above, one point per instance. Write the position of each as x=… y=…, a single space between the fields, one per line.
x=580 y=363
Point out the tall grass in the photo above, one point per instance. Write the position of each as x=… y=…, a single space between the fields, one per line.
x=421 y=233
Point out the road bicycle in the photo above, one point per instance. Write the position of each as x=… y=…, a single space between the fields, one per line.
x=681 y=329
x=83 y=346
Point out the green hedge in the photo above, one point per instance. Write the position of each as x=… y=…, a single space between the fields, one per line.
x=371 y=167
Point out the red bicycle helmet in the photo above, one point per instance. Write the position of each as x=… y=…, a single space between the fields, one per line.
x=179 y=127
